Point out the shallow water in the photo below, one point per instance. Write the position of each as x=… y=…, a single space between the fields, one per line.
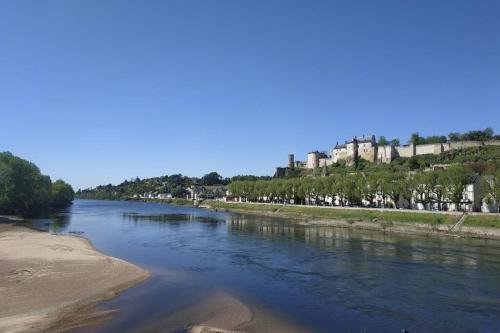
x=325 y=278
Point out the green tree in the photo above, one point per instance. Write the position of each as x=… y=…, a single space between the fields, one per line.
x=457 y=178
x=212 y=178
x=395 y=188
x=440 y=189
x=62 y=194
x=23 y=189
x=382 y=141
x=395 y=142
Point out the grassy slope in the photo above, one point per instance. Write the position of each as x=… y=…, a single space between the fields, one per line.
x=337 y=213
x=489 y=221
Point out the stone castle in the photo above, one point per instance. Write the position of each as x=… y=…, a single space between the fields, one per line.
x=366 y=148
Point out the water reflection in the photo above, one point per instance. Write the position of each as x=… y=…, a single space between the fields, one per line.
x=57 y=222
x=436 y=250
x=171 y=218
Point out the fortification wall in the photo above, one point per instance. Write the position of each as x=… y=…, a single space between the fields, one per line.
x=325 y=161
x=404 y=151
x=432 y=148
x=385 y=154
x=465 y=144
x=492 y=143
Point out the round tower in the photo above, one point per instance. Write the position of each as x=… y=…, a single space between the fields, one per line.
x=313 y=160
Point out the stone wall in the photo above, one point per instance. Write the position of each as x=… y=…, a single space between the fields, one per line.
x=464 y=144
x=405 y=151
x=385 y=154
x=325 y=161
x=432 y=148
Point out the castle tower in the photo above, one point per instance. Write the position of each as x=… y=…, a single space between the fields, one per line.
x=291 y=161
x=313 y=160
x=352 y=151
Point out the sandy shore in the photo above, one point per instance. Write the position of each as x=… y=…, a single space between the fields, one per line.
x=51 y=282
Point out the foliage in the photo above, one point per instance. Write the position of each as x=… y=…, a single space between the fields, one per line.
x=212 y=178
x=419 y=140
x=382 y=141
x=62 y=194
x=25 y=191
x=175 y=185
x=431 y=189
x=477 y=135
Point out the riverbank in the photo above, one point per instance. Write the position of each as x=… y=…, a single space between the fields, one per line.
x=51 y=282
x=386 y=220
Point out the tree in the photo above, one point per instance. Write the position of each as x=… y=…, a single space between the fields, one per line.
x=440 y=188
x=23 y=189
x=496 y=187
x=457 y=178
x=395 y=188
x=454 y=136
x=415 y=139
x=413 y=163
x=212 y=178
x=369 y=187
x=424 y=185
x=395 y=142
x=62 y=194
x=382 y=141
x=352 y=189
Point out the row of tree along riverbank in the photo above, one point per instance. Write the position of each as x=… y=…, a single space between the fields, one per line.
x=408 y=221
x=441 y=189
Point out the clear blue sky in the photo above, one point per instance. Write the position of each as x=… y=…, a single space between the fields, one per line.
x=96 y=92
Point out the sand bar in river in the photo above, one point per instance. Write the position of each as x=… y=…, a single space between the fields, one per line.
x=51 y=282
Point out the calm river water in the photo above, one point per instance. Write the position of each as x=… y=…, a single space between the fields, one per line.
x=328 y=279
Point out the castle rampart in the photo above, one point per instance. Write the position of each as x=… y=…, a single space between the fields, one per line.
x=405 y=151
x=366 y=148
x=432 y=148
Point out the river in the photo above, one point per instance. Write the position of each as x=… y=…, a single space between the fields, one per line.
x=326 y=279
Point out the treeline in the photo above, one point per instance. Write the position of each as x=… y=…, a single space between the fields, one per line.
x=474 y=135
x=377 y=189
x=477 y=135
x=25 y=191
x=175 y=184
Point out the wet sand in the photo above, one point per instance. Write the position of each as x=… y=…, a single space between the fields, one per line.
x=51 y=282
x=221 y=312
